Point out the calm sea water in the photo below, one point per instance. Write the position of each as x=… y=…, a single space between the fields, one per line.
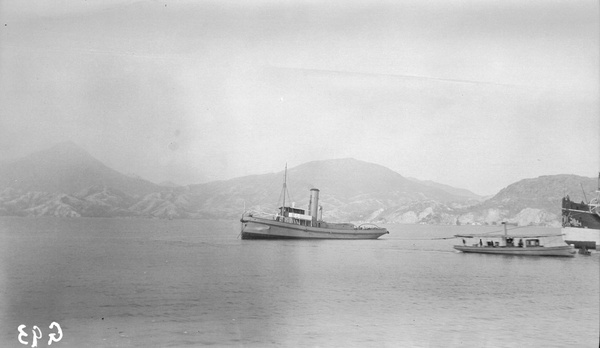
x=179 y=283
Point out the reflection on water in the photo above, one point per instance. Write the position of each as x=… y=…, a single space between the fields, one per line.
x=131 y=282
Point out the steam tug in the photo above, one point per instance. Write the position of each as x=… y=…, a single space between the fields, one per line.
x=293 y=223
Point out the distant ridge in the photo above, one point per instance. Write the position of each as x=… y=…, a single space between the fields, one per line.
x=450 y=189
x=350 y=189
x=66 y=168
x=350 y=178
x=66 y=181
x=168 y=184
x=543 y=192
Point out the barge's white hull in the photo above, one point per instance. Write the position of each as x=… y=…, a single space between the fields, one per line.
x=582 y=237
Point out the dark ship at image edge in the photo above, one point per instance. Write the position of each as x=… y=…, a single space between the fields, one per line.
x=581 y=222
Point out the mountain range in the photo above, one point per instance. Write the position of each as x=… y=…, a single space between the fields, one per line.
x=66 y=181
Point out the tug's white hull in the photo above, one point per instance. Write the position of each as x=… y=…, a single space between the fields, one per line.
x=259 y=228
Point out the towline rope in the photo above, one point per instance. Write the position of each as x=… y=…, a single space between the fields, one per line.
x=490 y=232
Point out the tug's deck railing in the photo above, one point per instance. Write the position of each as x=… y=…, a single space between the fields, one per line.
x=292 y=220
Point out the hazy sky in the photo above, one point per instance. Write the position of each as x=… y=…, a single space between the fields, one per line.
x=474 y=94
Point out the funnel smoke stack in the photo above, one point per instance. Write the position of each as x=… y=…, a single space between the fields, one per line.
x=313 y=205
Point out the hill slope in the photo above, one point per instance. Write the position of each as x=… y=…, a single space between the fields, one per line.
x=66 y=168
x=543 y=192
x=535 y=201
x=349 y=189
x=453 y=190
